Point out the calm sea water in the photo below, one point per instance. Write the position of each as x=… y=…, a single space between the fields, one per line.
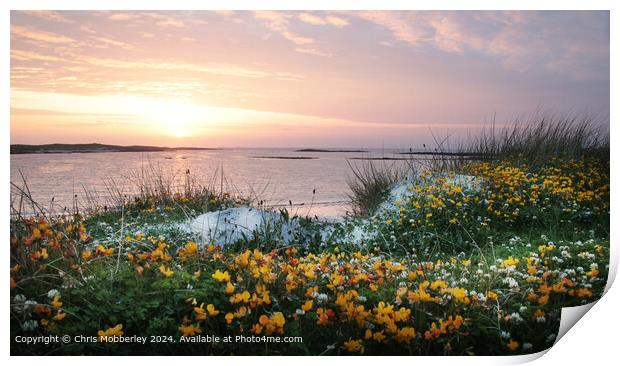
x=319 y=184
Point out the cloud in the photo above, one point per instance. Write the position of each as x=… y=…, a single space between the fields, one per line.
x=87 y=29
x=312 y=51
x=106 y=42
x=36 y=35
x=278 y=21
x=53 y=16
x=336 y=21
x=297 y=39
x=327 y=20
x=161 y=18
x=401 y=29
x=124 y=16
x=311 y=19
x=221 y=70
x=520 y=40
x=32 y=56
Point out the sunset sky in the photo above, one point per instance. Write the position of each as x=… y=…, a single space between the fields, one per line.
x=296 y=79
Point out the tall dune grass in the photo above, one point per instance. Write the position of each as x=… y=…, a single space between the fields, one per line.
x=533 y=140
x=536 y=139
x=370 y=184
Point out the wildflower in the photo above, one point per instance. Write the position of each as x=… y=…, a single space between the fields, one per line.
x=229 y=318
x=116 y=330
x=230 y=288
x=86 y=255
x=59 y=316
x=165 y=271
x=212 y=311
x=56 y=301
x=221 y=276
x=512 y=345
x=201 y=314
x=405 y=335
x=189 y=330
x=307 y=305
x=101 y=250
x=354 y=345
x=242 y=297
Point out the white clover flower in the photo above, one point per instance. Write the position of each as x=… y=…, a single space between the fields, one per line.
x=300 y=312
x=30 y=325
x=323 y=298
x=19 y=298
x=523 y=309
x=516 y=317
x=540 y=319
x=504 y=334
x=361 y=299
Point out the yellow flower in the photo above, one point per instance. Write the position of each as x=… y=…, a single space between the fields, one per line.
x=189 y=330
x=230 y=288
x=307 y=305
x=117 y=330
x=165 y=271
x=378 y=336
x=229 y=318
x=509 y=262
x=242 y=297
x=101 y=250
x=59 y=316
x=221 y=276
x=36 y=233
x=512 y=345
x=211 y=310
x=405 y=335
x=256 y=329
x=56 y=301
x=86 y=255
x=201 y=314
x=354 y=345
x=492 y=296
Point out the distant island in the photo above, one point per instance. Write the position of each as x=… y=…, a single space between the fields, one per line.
x=328 y=150
x=92 y=148
x=286 y=157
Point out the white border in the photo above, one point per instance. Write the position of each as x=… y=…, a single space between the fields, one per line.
x=592 y=340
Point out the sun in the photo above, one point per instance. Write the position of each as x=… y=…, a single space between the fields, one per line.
x=174 y=118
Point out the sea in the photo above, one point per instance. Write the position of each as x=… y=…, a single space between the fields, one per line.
x=312 y=183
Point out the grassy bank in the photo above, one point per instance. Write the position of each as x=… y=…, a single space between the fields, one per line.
x=471 y=257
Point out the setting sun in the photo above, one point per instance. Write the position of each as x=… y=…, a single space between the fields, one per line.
x=174 y=118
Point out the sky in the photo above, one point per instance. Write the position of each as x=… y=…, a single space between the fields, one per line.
x=298 y=79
